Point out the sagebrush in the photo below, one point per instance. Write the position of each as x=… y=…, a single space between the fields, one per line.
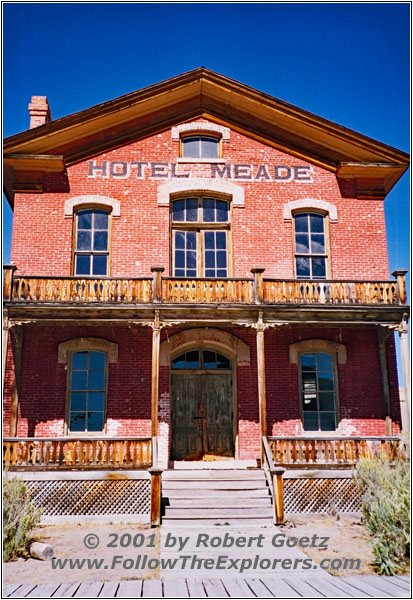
x=20 y=517
x=386 y=508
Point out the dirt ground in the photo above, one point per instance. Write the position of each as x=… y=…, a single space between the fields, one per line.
x=348 y=539
x=68 y=542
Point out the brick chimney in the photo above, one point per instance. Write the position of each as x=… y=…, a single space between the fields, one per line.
x=39 y=111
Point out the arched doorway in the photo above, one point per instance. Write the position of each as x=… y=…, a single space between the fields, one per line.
x=202 y=408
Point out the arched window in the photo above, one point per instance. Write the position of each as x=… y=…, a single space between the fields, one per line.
x=91 y=242
x=87 y=391
x=200 y=146
x=200 y=237
x=310 y=246
x=201 y=360
x=318 y=391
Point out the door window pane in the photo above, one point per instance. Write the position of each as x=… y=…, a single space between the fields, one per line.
x=318 y=392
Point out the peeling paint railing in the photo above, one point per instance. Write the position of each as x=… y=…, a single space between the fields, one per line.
x=21 y=289
x=72 y=453
x=329 y=452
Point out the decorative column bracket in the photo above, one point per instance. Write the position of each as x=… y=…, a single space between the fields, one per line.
x=157 y=283
x=258 y=289
x=401 y=285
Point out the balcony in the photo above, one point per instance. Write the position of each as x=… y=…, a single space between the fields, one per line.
x=112 y=291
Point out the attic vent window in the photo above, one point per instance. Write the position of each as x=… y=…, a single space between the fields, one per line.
x=200 y=146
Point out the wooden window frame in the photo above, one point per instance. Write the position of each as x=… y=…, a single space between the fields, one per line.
x=200 y=227
x=326 y=255
x=79 y=209
x=313 y=432
x=200 y=134
x=86 y=434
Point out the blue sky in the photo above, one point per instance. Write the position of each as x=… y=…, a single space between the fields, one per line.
x=346 y=62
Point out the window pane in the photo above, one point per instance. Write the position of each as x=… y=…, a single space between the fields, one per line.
x=308 y=362
x=208 y=210
x=210 y=273
x=190 y=147
x=100 y=241
x=190 y=273
x=192 y=360
x=99 y=264
x=222 y=273
x=221 y=239
x=178 y=208
x=319 y=267
x=96 y=380
x=179 y=273
x=301 y=244
x=327 y=421
x=95 y=421
x=303 y=266
x=317 y=243
x=310 y=402
x=209 y=259
x=84 y=219
x=97 y=361
x=209 y=359
x=77 y=422
x=324 y=361
x=79 y=380
x=325 y=381
x=101 y=220
x=84 y=240
x=77 y=401
x=209 y=240
x=179 y=362
x=79 y=360
x=191 y=260
x=180 y=259
x=310 y=421
x=96 y=400
x=309 y=381
x=179 y=239
x=222 y=211
x=209 y=147
x=191 y=240
x=82 y=266
x=222 y=362
x=221 y=259
x=326 y=401
x=301 y=222
x=192 y=210
x=317 y=223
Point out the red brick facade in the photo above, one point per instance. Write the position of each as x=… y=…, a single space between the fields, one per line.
x=261 y=234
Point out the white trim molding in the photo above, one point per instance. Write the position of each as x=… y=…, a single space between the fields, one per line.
x=216 y=339
x=87 y=343
x=310 y=203
x=328 y=346
x=178 y=130
x=199 y=185
x=73 y=203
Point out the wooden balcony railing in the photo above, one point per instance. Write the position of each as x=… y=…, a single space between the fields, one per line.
x=72 y=453
x=334 y=452
x=172 y=290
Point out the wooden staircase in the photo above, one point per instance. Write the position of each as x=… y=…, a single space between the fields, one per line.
x=216 y=496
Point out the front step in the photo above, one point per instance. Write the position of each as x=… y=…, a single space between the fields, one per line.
x=216 y=497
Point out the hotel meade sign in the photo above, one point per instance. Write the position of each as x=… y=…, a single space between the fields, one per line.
x=120 y=169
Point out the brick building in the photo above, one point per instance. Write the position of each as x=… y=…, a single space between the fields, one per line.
x=197 y=265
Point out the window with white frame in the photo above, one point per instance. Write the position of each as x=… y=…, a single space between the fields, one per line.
x=87 y=391
x=318 y=391
x=310 y=246
x=91 y=242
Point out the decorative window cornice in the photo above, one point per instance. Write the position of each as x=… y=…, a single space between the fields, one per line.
x=328 y=346
x=199 y=186
x=80 y=344
x=178 y=130
x=73 y=203
x=309 y=203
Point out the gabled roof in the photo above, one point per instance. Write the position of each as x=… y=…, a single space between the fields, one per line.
x=201 y=93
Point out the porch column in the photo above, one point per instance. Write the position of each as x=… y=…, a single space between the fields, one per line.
x=382 y=336
x=156 y=334
x=262 y=402
x=14 y=407
x=404 y=349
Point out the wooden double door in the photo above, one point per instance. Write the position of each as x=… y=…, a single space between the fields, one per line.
x=202 y=416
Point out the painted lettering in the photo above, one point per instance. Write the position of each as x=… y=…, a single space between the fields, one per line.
x=158 y=169
x=242 y=171
x=95 y=169
x=262 y=173
x=140 y=164
x=282 y=173
x=220 y=171
x=302 y=173
x=120 y=169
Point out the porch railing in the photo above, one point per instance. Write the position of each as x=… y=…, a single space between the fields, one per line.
x=329 y=452
x=75 y=452
x=23 y=289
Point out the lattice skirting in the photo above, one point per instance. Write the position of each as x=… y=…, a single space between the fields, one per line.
x=60 y=498
x=321 y=495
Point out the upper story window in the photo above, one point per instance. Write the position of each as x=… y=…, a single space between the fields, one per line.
x=318 y=391
x=310 y=246
x=91 y=242
x=87 y=391
x=200 y=146
x=200 y=237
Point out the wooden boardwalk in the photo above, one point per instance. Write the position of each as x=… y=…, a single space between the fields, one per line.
x=318 y=586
